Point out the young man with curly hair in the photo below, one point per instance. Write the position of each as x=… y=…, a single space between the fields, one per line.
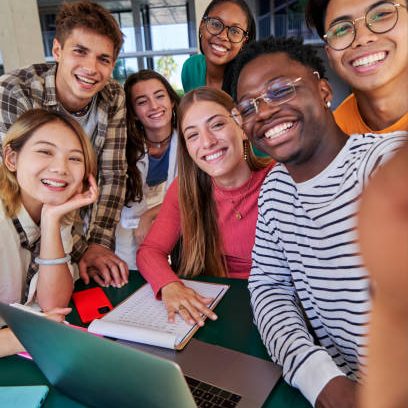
x=308 y=285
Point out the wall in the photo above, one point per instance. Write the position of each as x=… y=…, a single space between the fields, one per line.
x=20 y=34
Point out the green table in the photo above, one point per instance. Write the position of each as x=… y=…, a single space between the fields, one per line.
x=233 y=329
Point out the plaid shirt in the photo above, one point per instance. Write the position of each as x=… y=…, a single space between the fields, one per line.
x=34 y=87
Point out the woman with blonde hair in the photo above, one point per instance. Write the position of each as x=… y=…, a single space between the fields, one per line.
x=212 y=205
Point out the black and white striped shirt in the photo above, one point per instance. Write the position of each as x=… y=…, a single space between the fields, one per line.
x=306 y=261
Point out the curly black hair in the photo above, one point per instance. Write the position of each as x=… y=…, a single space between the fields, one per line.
x=294 y=47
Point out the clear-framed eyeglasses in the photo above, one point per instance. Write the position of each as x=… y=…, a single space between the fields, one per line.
x=379 y=19
x=215 y=26
x=277 y=91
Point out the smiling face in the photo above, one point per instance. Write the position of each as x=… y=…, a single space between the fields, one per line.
x=218 y=49
x=85 y=64
x=373 y=60
x=215 y=142
x=152 y=106
x=292 y=132
x=49 y=168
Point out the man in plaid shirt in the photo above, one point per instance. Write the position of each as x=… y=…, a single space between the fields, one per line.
x=86 y=45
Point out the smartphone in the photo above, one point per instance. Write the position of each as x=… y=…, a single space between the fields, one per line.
x=91 y=304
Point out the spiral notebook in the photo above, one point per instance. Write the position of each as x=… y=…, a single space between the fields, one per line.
x=143 y=319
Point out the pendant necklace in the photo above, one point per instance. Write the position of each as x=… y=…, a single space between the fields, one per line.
x=160 y=143
x=235 y=205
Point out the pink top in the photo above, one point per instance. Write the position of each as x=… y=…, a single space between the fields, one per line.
x=237 y=235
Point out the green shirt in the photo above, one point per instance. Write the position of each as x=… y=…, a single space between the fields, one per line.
x=193 y=72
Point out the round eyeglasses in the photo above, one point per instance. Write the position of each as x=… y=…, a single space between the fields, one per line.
x=379 y=19
x=215 y=26
x=278 y=92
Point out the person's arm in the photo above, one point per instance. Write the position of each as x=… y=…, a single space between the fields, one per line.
x=383 y=233
x=55 y=283
x=145 y=223
x=9 y=343
x=280 y=321
x=99 y=260
x=152 y=262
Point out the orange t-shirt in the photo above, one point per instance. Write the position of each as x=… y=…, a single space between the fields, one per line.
x=349 y=119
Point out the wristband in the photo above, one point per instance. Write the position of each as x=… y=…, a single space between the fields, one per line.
x=55 y=261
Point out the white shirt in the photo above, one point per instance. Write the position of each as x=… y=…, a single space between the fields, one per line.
x=306 y=260
x=15 y=260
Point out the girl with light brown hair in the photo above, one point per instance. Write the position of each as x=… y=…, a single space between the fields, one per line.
x=212 y=205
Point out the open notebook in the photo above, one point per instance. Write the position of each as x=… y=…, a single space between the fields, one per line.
x=142 y=318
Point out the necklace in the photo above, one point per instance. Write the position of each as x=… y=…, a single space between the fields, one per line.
x=236 y=204
x=160 y=143
x=83 y=111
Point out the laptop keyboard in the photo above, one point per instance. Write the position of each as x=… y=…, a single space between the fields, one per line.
x=208 y=396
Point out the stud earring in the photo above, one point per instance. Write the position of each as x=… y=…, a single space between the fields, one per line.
x=328 y=104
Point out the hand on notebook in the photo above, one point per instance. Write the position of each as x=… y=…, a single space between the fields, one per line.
x=187 y=303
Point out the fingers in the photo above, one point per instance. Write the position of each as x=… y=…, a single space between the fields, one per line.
x=100 y=273
x=102 y=265
x=124 y=272
x=187 y=303
x=60 y=310
x=83 y=273
x=193 y=312
x=171 y=315
x=58 y=314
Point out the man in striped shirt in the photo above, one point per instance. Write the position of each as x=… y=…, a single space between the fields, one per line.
x=309 y=289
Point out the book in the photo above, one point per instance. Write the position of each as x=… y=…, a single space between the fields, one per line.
x=142 y=318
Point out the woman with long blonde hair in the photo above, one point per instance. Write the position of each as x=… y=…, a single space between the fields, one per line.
x=212 y=205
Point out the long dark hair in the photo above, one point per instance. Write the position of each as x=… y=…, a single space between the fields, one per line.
x=135 y=145
x=226 y=84
x=201 y=244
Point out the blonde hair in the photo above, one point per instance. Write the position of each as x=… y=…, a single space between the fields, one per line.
x=201 y=243
x=15 y=139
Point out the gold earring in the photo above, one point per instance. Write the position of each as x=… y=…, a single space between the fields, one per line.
x=245 y=143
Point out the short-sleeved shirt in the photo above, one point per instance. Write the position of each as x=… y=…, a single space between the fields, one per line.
x=348 y=117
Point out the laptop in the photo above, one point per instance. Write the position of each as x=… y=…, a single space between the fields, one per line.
x=103 y=373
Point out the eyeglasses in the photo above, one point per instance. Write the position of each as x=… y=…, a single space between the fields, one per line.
x=379 y=19
x=277 y=92
x=215 y=26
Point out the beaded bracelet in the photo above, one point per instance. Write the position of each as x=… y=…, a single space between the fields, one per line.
x=56 y=261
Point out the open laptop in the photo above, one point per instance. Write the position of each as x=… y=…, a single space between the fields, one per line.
x=102 y=373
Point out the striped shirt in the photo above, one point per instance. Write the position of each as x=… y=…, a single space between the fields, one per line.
x=306 y=261
x=34 y=87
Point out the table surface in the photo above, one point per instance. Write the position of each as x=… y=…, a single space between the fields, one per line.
x=233 y=329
